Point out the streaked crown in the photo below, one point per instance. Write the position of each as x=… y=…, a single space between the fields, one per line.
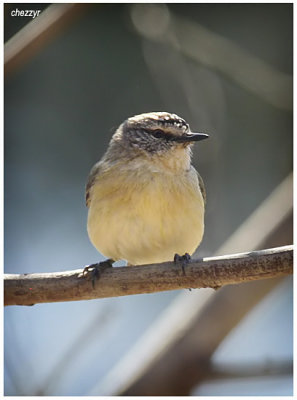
x=155 y=132
x=169 y=123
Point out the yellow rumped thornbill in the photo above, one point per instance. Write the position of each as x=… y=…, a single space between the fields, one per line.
x=146 y=200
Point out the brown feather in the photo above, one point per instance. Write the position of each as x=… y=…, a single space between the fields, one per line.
x=202 y=188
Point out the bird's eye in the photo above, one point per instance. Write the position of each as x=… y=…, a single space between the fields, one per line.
x=158 y=133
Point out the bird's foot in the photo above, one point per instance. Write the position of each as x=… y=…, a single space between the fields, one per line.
x=96 y=270
x=184 y=260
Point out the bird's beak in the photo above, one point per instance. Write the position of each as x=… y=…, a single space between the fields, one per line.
x=191 y=137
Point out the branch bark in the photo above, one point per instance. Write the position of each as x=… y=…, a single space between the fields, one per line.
x=212 y=272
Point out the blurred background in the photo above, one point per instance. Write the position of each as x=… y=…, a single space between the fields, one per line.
x=72 y=75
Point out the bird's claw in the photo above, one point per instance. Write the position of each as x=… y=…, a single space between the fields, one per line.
x=184 y=260
x=96 y=270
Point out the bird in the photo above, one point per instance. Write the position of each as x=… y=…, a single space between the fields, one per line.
x=146 y=201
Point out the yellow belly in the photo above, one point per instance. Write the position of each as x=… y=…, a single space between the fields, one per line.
x=146 y=219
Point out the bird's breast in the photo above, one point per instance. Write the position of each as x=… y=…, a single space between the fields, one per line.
x=145 y=216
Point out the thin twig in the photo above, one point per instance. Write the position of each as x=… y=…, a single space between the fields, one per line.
x=249 y=370
x=213 y=272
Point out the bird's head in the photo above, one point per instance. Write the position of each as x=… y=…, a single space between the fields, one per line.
x=155 y=133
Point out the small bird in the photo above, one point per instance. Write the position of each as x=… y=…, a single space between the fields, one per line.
x=146 y=201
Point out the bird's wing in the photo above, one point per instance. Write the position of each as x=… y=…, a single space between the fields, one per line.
x=202 y=187
x=91 y=180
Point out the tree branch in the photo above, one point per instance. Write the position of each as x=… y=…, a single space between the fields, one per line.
x=213 y=272
x=32 y=37
x=249 y=370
